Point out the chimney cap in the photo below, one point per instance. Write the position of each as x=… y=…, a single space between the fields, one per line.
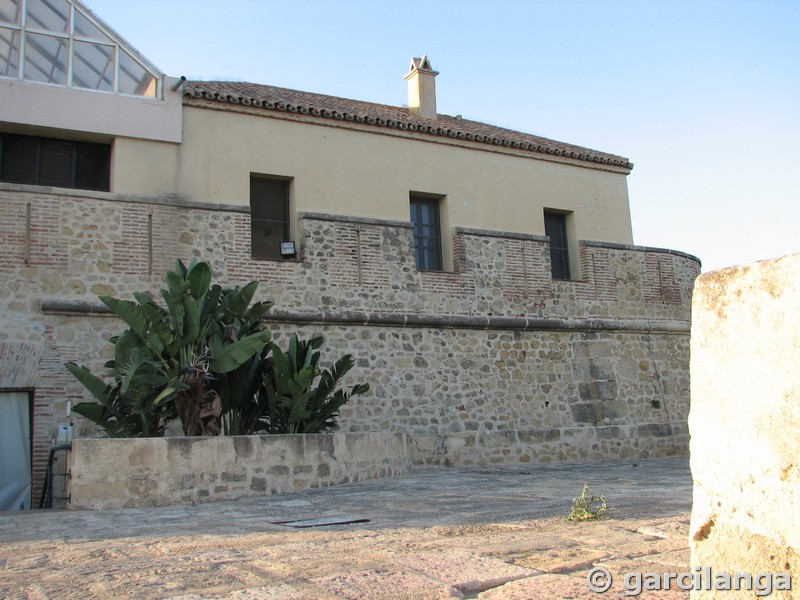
x=421 y=80
x=421 y=64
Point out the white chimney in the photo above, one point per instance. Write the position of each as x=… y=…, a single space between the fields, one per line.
x=422 y=88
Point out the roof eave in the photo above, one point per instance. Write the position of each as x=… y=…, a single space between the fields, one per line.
x=195 y=95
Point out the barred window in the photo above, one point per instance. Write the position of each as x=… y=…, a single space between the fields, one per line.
x=427 y=233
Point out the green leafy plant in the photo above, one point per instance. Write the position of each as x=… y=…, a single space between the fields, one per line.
x=294 y=403
x=238 y=389
x=588 y=507
x=206 y=359
x=170 y=361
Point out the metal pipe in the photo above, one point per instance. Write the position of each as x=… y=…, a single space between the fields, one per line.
x=176 y=86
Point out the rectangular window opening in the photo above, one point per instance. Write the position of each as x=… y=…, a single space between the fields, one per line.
x=269 y=216
x=555 y=227
x=52 y=162
x=427 y=233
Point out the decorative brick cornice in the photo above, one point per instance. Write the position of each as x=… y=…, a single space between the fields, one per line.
x=312 y=107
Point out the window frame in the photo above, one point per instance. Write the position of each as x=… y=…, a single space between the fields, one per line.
x=83 y=154
x=427 y=258
x=559 y=248
x=286 y=224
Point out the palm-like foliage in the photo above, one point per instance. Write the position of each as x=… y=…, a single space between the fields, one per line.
x=206 y=359
x=240 y=390
x=167 y=362
x=294 y=405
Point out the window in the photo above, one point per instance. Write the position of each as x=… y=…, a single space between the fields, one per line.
x=58 y=163
x=555 y=227
x=269 y=216
x=15 y=462
x=56 y=42
x=427 y=233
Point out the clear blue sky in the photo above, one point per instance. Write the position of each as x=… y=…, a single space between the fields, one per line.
x=702 y=96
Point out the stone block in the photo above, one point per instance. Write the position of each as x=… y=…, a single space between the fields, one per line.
x=744 y=419
x=598 y=390
x=595 y=413
x=244 y=446
x=655 y=430
x=534 y=436
x=606 y=433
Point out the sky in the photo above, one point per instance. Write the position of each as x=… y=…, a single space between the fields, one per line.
x=703 y=96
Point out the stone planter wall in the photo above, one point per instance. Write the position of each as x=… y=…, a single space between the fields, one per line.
x=117 y=473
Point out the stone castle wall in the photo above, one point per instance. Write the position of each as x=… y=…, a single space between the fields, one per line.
x=493 y=361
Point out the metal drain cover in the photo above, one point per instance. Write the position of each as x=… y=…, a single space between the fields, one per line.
x=322 y=521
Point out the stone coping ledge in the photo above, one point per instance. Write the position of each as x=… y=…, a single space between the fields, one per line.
x=59 y=307
x=75 y=308
x=479 y=322
x=140 y=472
x=615 y=246
x=171 y=200
x=316 y=216
x=509 y=235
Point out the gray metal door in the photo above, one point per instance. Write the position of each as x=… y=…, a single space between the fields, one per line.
x=15 y=451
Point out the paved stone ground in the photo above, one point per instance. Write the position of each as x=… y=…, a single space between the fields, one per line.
x=489 y=533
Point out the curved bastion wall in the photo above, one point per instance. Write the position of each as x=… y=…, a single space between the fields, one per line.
x=492 y=362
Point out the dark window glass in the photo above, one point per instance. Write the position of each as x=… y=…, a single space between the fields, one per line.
x=269 y=216
x=427 y=233
x=92 y=167
x=56 y=163
x=19 y=160
x=555 y=227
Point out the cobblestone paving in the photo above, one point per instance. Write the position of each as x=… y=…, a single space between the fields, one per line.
x=489 y=533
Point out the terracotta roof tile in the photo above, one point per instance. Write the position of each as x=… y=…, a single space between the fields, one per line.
x=395 y=117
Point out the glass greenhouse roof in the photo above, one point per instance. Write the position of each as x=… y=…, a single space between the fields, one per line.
x=61 y=42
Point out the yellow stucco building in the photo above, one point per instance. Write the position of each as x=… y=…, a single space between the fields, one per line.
x=486 y=279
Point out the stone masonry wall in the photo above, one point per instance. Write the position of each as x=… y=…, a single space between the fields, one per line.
x=493 y=361
x=472 y=397
x=744 y=422
x=114 y=473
